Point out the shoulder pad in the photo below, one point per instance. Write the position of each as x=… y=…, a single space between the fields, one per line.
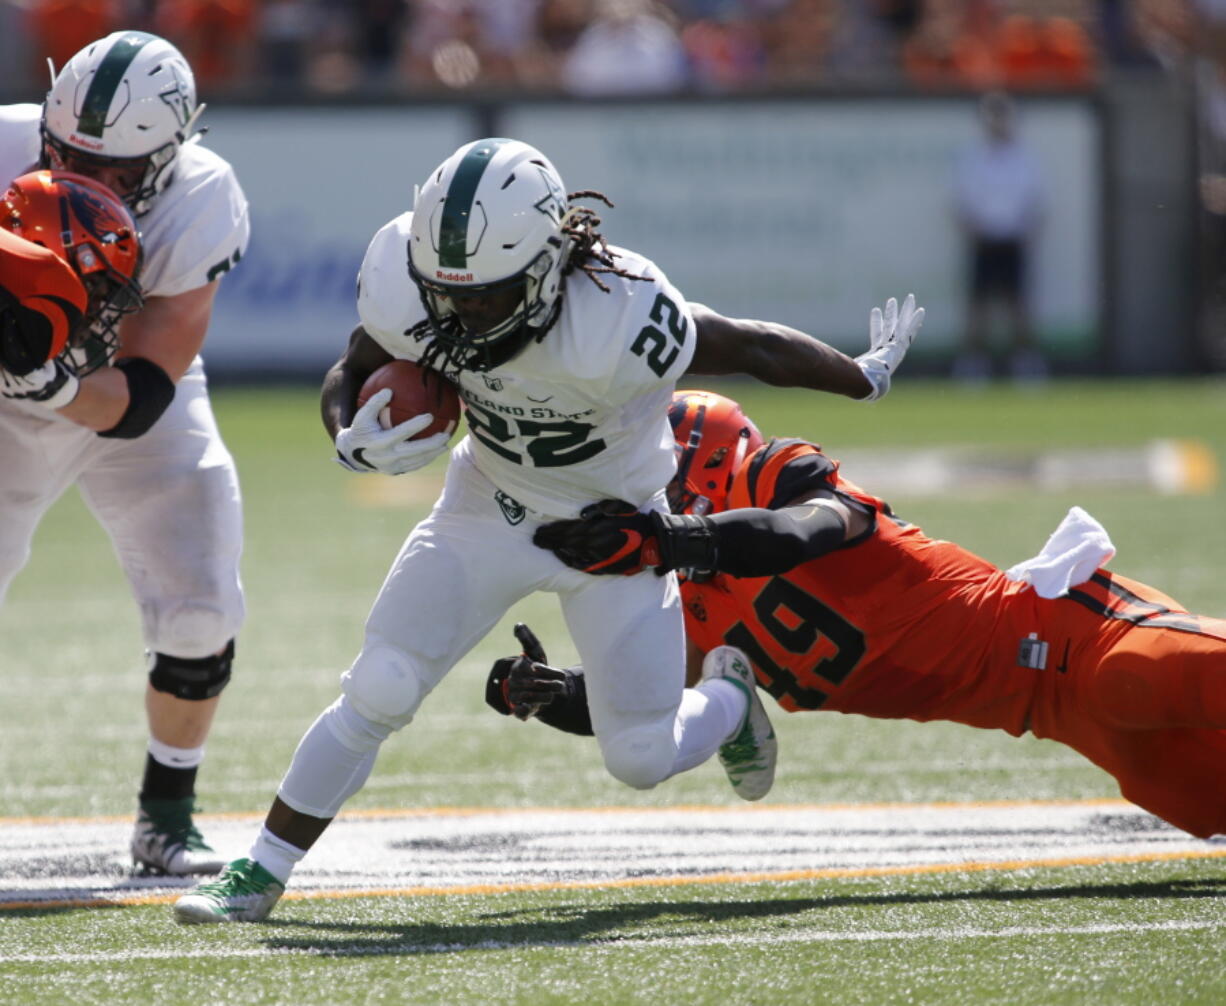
x=780 y=471
x=388 y=301
x=198 y=229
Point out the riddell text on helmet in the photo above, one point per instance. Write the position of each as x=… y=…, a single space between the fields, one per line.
x=77 y=140
x=454 y=277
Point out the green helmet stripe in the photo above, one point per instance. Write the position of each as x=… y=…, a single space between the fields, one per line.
x=457 y=207
x=106 y=81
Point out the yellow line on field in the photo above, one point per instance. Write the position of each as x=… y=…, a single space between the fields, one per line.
x=395 y=813
x=769 y=877
x=1198 y=465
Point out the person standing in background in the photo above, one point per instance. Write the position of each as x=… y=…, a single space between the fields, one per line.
x=998 y=200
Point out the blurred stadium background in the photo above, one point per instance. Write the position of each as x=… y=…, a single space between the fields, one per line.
x=789 y=159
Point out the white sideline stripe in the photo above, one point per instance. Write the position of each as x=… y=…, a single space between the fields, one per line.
x=396 y=813
x=484 y=851
x=1167 y=465
x=794 y=936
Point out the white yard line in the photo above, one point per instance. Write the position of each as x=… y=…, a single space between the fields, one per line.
x=944 y=934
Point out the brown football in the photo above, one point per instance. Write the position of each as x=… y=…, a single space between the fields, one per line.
x=415 y=390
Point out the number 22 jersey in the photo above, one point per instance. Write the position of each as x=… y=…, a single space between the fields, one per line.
x=580 y=415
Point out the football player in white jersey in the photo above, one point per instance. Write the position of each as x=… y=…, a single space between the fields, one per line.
x=566 y=351
x=128 y=420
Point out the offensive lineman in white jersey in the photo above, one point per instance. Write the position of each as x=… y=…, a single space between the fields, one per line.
x=129 y=422
x=566 y=351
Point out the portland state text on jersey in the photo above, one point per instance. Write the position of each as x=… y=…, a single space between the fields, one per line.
x=549 y=439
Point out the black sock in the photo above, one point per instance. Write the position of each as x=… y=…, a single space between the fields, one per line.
x=162 y=782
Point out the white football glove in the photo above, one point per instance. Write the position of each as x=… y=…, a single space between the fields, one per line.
x=889 y=337
x=365 y=446
x=54 y=384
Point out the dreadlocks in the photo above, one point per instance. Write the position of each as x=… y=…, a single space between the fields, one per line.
x=589 y=254
x=589 y=251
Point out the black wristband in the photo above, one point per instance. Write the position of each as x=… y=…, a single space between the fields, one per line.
x=150 y=392
x=686 y=541
x=569 y=712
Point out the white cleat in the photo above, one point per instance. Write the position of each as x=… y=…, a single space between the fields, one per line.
x=167 y=841
x=245 y=892
x=749 y=758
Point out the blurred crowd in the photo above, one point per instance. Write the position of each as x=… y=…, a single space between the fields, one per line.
x=617 y=47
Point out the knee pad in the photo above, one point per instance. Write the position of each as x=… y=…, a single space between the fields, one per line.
x=384 y=686
x=193 y=628
x=641 y=756
x=192 y=679
x=353 y=730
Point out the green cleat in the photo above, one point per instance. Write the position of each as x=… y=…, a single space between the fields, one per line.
x=167 y=841
x=245 y=892
x=749 y=758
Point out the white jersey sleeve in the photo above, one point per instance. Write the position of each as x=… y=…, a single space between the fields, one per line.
x=388 y=301
x=642 y=332
x=19 y=140
x=198 y=228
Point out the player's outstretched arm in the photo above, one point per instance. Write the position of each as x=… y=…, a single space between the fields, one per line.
x=124 y=400
x=608 y=537
x=526 y=686
x=786 y=357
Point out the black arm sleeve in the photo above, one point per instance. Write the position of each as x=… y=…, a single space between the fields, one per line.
x=569 y=712
x=150 y=392
x=749 y=542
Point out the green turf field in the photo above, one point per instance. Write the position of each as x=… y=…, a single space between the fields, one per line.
x=318 y=542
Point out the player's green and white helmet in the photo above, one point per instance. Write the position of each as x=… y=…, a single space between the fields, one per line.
x=487 y=250
x=119 y=111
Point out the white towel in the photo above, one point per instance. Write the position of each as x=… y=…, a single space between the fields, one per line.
x=1073 y=552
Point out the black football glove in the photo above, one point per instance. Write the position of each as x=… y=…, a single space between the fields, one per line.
x=524 y=684
x=609 y=537
x=52 y=385
x=613 y=537
x=26 y=335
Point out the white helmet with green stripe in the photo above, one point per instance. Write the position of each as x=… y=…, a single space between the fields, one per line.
x=487 y=227
x=120 y=109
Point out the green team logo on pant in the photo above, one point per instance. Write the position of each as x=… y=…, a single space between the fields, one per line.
x=512 y=510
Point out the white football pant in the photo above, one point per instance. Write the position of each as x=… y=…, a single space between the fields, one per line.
x=456 y=576
x=169 y=501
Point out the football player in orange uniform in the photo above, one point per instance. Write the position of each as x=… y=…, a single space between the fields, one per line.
x=70 y=255
x=839 y=605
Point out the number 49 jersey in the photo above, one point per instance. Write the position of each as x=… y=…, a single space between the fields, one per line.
x=582 y=414
x=894 y=625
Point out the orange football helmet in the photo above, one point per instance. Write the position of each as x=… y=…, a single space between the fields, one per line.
x=85 y=224
x=42 y=301
x=713 y=437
